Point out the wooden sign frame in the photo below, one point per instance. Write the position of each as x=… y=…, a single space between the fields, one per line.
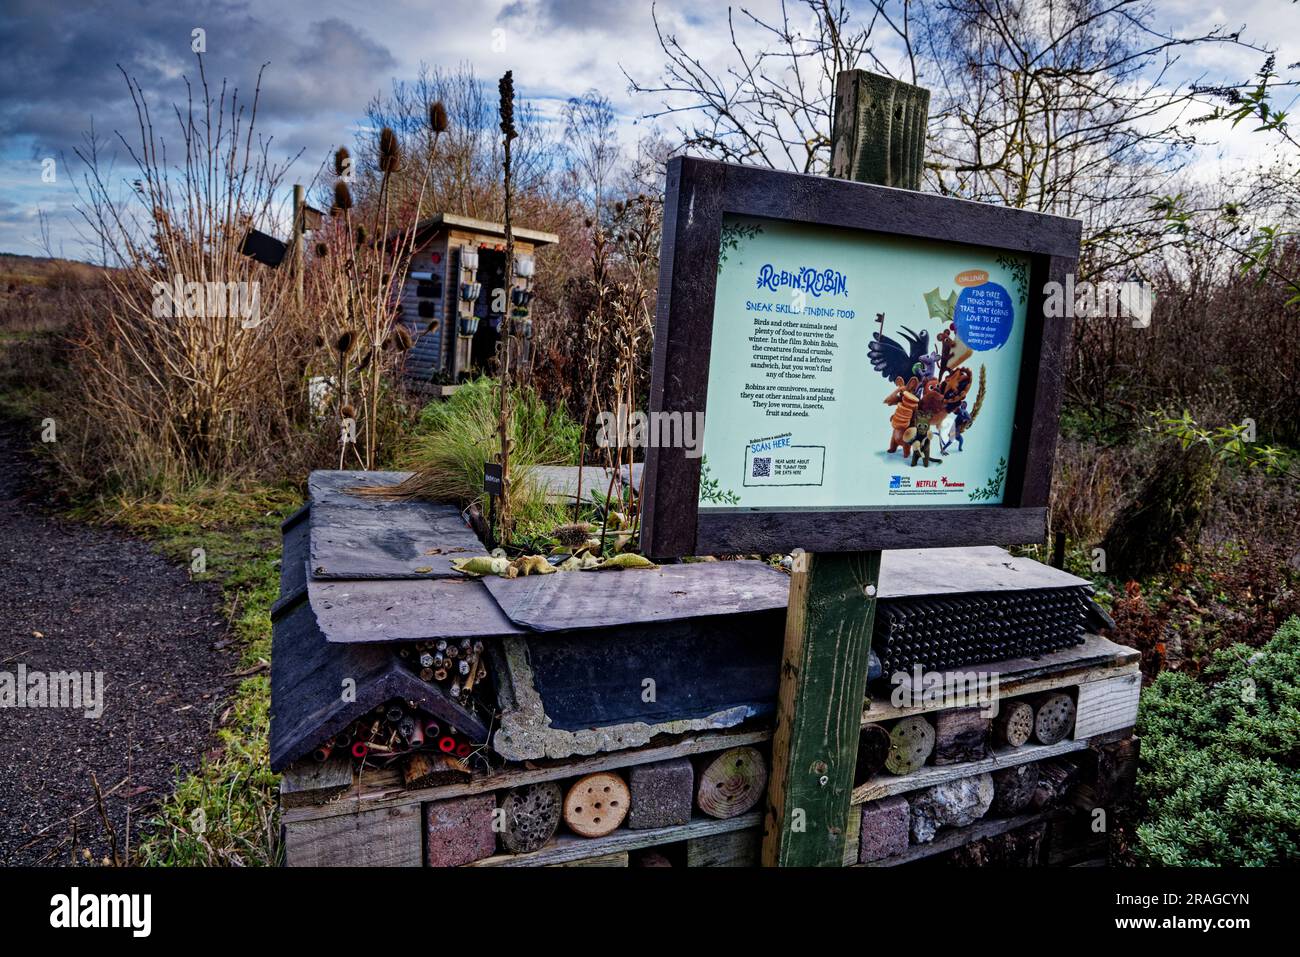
x=699 y=193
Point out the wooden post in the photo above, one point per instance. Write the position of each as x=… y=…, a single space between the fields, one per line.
x=878 y=137
x=298 y=225
x=878 y=134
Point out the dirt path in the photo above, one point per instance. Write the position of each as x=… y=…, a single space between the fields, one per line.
x=77 y=598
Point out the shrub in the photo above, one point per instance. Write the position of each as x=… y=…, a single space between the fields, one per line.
x=1220 y=773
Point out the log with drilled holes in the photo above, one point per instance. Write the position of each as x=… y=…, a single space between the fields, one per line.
x=1014 y=723
x=1053 y=717
x=530 y=816
x=911 y=741
x=731 y=783
x=596 y=804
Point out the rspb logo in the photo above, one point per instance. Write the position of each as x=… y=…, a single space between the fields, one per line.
x=899 y=481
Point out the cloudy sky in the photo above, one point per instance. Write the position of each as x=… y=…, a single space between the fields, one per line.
x=59 y=69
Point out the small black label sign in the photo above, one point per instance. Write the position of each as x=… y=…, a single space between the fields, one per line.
x=492 y=478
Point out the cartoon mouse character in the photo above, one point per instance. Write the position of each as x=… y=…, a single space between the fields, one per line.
x=904 y=396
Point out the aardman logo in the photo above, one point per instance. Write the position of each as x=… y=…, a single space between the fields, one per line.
x=805 y=279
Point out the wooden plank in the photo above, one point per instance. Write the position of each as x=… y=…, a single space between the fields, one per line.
x=568 y=847
x=383 y=788
x=406 y=610
x=305 y=783
x=617 y=859
x=391 y=837
x=884 y=785
x=852 y=836
x=1096 y=659
x=734 y=849
x=1107 y=705
x=954 y=838
x=819 y=708
x=355 y=536
x=581 y=600
x=722 y=532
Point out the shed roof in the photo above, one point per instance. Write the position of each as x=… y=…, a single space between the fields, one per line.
x=445 y=221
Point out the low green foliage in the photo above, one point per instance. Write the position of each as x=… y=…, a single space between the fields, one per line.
x=1220 y=776
x=454 y=439
x=225 y=812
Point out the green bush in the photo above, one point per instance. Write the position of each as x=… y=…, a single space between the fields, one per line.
x=1220 y=775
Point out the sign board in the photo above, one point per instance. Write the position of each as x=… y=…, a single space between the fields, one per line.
x=492 y=478
x=872 y=367
x=267 y=250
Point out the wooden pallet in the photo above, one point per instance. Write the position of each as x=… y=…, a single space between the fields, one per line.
x=333 y=816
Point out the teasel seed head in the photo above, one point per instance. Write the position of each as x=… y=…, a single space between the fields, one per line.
x=322 y=250
x=402 y=337
x=345 y=342
x=390 y=153
x=347 y=411
x=438 y=117
x=342 y=195
x=433 y=324
x=361 y=235
x=506 y=86
x=341 y=157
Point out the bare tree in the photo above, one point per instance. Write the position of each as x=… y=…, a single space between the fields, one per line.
x=1063 y=106
x=591 y=143
x=772 y=103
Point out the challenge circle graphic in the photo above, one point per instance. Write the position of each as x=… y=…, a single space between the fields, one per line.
x=984 y=316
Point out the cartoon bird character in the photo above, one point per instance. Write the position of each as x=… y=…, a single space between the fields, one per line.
x=904 y=396
x=891 y=358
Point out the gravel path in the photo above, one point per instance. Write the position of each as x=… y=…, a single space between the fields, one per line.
x=85 y=599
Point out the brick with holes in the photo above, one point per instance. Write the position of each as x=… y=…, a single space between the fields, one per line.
x=884 y=829
x=459 y=830
x=661 y=794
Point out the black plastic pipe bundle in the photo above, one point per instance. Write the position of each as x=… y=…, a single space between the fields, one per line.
x=954 y=631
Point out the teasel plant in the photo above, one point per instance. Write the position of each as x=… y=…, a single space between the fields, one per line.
x=174 y=392
x=358 y=280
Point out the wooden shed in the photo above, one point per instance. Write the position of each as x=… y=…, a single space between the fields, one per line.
x=447 y=299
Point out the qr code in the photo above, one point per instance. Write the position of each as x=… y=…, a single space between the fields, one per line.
x=762 y=467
